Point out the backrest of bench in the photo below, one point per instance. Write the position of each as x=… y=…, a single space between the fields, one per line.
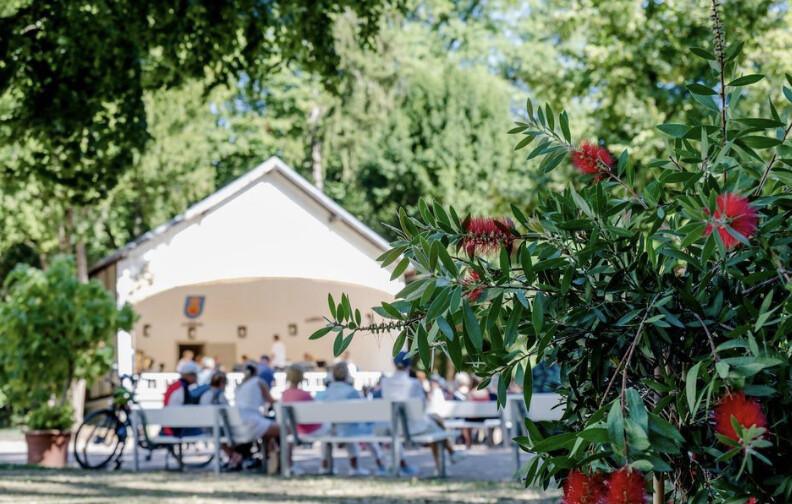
x=467 y=409
x=545 y=407
x=351 y=411
x=178 y=416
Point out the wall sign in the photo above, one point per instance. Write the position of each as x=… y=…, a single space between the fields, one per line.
x=193 y=306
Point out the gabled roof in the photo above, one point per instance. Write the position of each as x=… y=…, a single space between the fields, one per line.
x=208 y=204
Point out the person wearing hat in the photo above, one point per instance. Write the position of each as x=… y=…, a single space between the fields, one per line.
x=178 y=394
x=400 y=386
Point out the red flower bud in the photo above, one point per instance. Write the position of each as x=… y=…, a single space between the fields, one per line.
x=626 y=486
x=592 y=159
x=582 y=489
x=487 y=234
x=736 y=212
x=748 y=412
x=472 y=281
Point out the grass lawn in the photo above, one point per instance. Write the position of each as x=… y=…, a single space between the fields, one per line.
x=24 y=484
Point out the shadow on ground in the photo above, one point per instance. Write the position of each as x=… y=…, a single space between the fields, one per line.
x=38 y=485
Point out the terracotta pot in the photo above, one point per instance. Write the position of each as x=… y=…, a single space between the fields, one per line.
x=47 y=448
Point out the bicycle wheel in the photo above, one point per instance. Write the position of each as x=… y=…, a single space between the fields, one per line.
x=99 y=440
x=193 y=455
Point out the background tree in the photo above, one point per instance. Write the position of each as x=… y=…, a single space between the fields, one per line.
x=73 y=76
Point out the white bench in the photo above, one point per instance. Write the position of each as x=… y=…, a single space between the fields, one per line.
x=544 y=407
x=471 y=415
x=180 y=417
x=395 y=416
x=221 y=424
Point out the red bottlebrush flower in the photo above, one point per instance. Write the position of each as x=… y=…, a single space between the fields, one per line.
x=733 y=210
x=477 y=290
x=751 y=500
x=487 y=234
x=626 y=487
x=592 y=159
x=582 y=489
x=748 y=412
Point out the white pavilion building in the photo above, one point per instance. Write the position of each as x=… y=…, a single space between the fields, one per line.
x=255 y=259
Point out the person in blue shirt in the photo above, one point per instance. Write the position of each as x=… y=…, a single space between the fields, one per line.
x=265 y=371
x=341 y=389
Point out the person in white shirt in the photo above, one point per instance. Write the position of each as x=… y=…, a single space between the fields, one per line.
x=278 y=353
x=400 y=386
x=251 y=396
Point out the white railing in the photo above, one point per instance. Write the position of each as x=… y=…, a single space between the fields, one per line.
x=151 y=387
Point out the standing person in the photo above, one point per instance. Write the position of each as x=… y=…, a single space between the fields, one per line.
x=186 y=356
x=278 y=353
x=207 y=370
x=265 y=371
x=239 y=367
x=400 y=386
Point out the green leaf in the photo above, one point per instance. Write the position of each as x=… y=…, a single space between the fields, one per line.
x=760 y=122
x=472 y=327
x=398 y=344
x=449 y=264
x=637 y=409
x=423 y=347
x=331 y=304
x=690 y=387
x=674 y=130
x=703 y=53
x=399 y=269
x=537 y=317
x=320 y=332
x=746 y=80
x=760 y=142
x=700 y=89
x=527 y=385
x=564 y=120
x=616 y=427
x=525 y=141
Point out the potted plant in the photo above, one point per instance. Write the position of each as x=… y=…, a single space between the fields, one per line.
x=48 y=433
x=53 y=330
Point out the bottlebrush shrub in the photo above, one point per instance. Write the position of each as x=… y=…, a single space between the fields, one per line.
x=667 y=306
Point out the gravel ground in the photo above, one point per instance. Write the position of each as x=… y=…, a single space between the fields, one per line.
x=24 y=484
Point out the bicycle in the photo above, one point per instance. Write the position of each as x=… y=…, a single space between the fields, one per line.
x=100 y=439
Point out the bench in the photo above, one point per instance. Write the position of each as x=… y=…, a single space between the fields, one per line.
x=204 y=417
x=221 y=424
x=471 y=415
x=544 y=407
x=394 y=415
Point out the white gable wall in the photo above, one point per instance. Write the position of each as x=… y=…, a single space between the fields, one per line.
x=270 y=229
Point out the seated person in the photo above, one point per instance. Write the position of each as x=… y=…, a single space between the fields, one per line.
x=339 y=390
x=178 y=394
x=215 y=396
x=400 y=386
x=251 y=397
x=265 y=371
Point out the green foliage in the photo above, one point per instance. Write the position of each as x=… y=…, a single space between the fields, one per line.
x=73 y=74
x=50 y=417
x=53 y=330
x=652 y=317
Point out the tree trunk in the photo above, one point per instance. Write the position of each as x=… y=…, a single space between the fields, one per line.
x=659 y=489
x=316 y=147
x=81 y=257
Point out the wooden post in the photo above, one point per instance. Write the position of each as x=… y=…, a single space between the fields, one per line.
x=659 y=489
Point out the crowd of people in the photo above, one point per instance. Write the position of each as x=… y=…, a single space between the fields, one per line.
x=205 y=384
